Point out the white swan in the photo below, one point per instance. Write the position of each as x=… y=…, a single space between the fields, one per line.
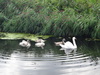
x=61 y=42
x=40 y=44
x=25 y=43
x=69 y=45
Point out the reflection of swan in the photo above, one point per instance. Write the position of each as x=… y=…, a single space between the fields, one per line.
x=68 y=51
x=25 y=43
x=40 y=44
x=69 y=45
x=58 y=43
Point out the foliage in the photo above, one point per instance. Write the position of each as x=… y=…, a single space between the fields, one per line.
x=54 y=17
x=2 y=19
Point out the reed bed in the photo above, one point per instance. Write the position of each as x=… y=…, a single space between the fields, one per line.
x=52 y=17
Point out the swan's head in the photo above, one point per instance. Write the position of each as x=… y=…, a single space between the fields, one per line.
x=74 y=37
x=63 y=39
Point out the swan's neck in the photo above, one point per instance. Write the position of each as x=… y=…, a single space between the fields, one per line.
x=74 y=43
x=63 y=41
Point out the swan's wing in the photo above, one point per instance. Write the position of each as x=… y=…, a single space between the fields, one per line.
x=23 y=41
x=28 y=45
x=38 y=44
x=68 y=44
x=22 y=44
x=57 y=43
x=63 y=46
x=43 y=40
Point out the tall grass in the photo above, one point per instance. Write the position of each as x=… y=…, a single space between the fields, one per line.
x=53 y=17
x=28 y=22
x=2 y=19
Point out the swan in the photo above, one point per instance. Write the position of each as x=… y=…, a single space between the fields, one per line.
x=40 y=44
x=69 y=45
x=39 y=40
x=25 y=43
x=58 y=43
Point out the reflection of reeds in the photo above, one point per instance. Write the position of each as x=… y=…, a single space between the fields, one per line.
x=90 y=49
x=59 y=18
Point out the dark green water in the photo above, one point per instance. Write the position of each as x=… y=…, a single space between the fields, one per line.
x=15 y=60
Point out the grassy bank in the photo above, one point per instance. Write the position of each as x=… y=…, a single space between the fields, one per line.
x=52 y=17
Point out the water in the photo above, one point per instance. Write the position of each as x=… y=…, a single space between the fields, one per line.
x=15 y=60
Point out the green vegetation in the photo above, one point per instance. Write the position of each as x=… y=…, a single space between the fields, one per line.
x=14 y=36
x=52 y=17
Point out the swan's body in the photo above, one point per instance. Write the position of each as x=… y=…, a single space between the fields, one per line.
x=25 y=43
x=40 y=44
x=69 y=45
x=58 y=43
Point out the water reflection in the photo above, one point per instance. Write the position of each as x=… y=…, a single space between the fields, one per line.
x=16 y=60
x=68 y=51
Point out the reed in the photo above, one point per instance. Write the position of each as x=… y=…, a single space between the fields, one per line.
x=53 y=17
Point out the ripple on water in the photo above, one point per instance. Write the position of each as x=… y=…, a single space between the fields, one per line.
x=62 y=63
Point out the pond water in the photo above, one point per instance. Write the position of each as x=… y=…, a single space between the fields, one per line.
x=16 y=60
